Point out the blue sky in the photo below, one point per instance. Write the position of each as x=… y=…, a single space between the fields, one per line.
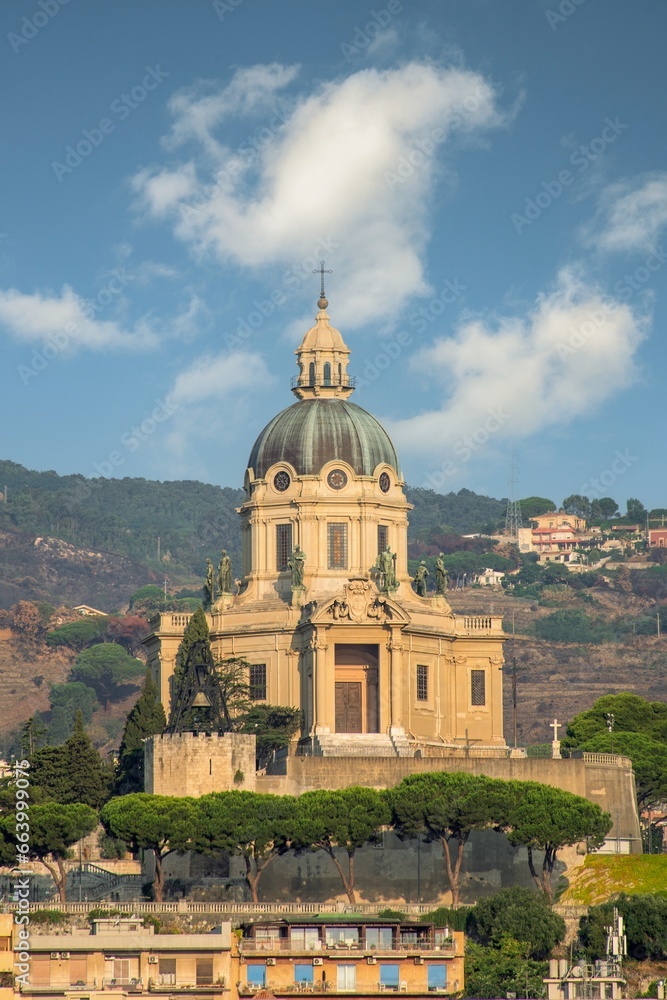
x=485 y=178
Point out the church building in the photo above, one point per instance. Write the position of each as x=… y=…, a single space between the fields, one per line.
x=325 y=611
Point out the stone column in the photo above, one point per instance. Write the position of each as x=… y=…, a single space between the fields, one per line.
x=396 y=682
x=318 y=645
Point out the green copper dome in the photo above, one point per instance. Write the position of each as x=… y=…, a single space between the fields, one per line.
x=313 y=432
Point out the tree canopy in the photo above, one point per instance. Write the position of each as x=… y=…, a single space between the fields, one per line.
x=257 y=827
x=160 y=823
x=524 y=915
x=54 y=828
x=78 y=634
x=72 y=772
x=631 y=714
x=346 y=819
x=645 y=918
x=448 y=806
x=106 y=668
x=145 y=718
x=541 y=817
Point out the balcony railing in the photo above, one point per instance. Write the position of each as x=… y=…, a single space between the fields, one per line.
x=328 y=986
x=169 y=984
x=251 y=945
x=304 y=381
x=133 y=985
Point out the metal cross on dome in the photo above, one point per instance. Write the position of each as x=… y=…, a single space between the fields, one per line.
x=320 y=270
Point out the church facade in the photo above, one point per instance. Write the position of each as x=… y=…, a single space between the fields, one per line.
x=325 y=611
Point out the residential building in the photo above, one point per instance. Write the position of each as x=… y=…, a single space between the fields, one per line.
x=121 y=956
x=350 y=955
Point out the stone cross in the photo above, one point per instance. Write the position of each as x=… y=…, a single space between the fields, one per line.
x=555 y=743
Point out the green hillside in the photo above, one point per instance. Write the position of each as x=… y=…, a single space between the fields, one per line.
x=192 y=520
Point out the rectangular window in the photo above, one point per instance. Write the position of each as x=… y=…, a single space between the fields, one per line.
x=307 y=938
x=437 y=977
x=379 y=937
x=303 y=974
x=337 y=546
x=166 y=971
x=256 y=975
x=204 y=972
x=346 y=978
x=389 y=976
x=383 y=537
x=342 y=937
x=478 y=687
x=78 y=970
x=283 y=546
x=422 y=682
x=257 y=681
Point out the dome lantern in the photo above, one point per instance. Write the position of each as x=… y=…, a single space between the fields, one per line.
x=322 y=358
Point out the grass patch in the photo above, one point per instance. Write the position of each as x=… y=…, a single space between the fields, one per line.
x=603 y=876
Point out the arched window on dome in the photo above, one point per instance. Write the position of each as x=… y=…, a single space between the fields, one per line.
x=327 y=374
x=311 y=373
x=340 y=374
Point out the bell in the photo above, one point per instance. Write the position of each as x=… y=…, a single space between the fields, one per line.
x=201 y=700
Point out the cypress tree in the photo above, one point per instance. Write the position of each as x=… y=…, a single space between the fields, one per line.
x=88 y=777
x=146 y=718
x=195 y=631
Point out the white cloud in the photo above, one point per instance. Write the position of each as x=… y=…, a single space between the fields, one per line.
x=354 y=163
x=213 y=400
x=631 y=215
x=70 y=319
x=517 y=376
x=197 y=114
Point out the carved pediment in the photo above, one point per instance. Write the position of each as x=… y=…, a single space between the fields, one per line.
x=361 y=602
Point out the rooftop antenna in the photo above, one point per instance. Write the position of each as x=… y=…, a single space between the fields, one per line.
x=513 y=516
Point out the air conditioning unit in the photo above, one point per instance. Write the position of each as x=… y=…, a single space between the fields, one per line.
x=55 y=954
x=270 y=961
x=318 y=961
x=152 y=959
x=419 y=961
x=371 y=960
x=64 y=954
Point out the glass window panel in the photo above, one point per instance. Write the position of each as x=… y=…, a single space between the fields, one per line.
x=283 y=546
x=437 y=977
x=257 y=681
x=389 y=975
x=256 y=974
x=346 y=978
x=337 y=546
x=303 y=974
x=383 y=537
x=478 y=687
x=422 y=682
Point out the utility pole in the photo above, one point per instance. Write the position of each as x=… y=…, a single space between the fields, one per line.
x=513 y=520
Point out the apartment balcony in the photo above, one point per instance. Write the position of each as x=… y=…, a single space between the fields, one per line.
x=169 y=984
x=133 y=985
x=252 y=948
x=318 y=988
x=59 y=989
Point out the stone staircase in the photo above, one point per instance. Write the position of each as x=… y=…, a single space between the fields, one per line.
x=359 y=745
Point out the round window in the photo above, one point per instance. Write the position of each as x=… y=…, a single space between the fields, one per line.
x=337 y=479
x=385 y=482
x=281 y=481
